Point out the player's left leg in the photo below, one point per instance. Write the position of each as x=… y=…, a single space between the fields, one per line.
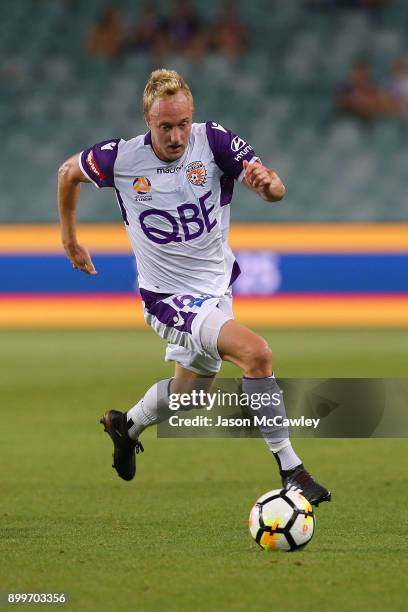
x=252 y=354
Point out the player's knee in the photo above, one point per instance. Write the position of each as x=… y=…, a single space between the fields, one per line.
x=258 y=357
x=263 y=359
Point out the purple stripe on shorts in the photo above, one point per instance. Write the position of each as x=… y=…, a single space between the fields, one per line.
x=151 y=297
x=165 y=313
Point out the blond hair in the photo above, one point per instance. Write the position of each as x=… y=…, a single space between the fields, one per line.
x=163 y=83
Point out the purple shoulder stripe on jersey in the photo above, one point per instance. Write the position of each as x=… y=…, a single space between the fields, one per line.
x=229 y=150
x=98 y=162
x=235 y=272
x=148 y=138
x=227 y=189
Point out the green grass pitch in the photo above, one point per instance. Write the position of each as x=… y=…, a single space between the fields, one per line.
x=177 y=537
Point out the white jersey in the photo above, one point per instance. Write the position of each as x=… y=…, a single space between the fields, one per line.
x=176 y=213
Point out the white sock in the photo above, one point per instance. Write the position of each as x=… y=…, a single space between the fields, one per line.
x=277 y=438
x=287 y=458
x=151 y=409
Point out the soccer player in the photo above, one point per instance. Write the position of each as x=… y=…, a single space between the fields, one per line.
x=173 y=186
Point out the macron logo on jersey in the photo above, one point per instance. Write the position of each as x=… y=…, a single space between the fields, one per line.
x=170 y=170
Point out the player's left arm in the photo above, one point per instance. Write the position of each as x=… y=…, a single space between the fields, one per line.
x=263 y=181
x=237 y=159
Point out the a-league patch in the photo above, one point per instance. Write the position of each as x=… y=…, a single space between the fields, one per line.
x=196 y=173
x=142 y=184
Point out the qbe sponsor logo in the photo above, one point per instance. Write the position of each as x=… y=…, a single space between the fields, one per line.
x=188 y=222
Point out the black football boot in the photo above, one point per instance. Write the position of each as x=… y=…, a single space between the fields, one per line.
x=124 y=459
x=300 y=479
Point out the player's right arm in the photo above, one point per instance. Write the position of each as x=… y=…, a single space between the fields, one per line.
x=70 y=176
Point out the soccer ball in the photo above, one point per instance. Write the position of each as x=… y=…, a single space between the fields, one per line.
x=282 y=520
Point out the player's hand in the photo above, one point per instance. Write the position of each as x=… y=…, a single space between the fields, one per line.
x=80 y=258
x=265 y=182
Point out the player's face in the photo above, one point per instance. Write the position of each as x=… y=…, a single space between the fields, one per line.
x=170 y=121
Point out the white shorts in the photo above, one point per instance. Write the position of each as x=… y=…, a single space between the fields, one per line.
x=191 y=324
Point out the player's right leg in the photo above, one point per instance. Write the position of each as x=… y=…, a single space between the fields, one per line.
x=124 y=428
x=115 y=424
x=195 y=369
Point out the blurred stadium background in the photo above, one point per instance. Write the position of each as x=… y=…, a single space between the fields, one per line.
x=335 y=253
x=332 y=256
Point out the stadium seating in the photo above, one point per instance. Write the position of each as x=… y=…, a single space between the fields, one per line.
x=55 y=100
